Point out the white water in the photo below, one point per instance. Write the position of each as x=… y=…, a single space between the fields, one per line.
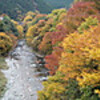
x=22 y=83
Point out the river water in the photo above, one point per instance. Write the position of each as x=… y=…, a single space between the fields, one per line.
x=22 y=81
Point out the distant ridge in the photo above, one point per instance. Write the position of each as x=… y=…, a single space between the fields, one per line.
x=14 y=7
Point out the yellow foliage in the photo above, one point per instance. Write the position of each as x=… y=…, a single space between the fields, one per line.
x=20 y=28
x=97 y=91
x=54 y=89
x=88 y=79
x=15 y=22
x=5 y=43
x=80 y=49
x=30 y=13
x=81 y=56
x=32 y=31
x=27 y=18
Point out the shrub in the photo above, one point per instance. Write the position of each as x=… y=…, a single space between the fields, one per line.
x=5 y=43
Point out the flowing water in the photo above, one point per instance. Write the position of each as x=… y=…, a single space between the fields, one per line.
x=22 y=81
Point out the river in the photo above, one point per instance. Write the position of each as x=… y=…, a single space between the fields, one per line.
x=22 y=81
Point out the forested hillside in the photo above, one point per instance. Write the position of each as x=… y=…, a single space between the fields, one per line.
x=62 y=47
x=15 y=7
x=69 y=39
x=55 y=4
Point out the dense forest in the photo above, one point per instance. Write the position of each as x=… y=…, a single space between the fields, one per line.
x=55 y=4
x=16 y=7
x=69 y=39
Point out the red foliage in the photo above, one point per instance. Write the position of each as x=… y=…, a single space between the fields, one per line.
x=59 y=35
x=45 y=46
x=78 y=13
x=52 y=61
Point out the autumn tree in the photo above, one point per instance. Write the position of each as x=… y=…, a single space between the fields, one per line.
x=52 y=60
x=6 y=43
x=78 y=13
x=89 y=22
x=79 y=68
x=97 y=2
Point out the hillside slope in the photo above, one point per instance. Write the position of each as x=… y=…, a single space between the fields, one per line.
x=55 y=4
x=15 y=7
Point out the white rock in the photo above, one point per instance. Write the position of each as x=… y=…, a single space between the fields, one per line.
x=44 y=79
x=33 y=65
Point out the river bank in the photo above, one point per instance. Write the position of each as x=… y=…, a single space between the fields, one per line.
x=3 y=80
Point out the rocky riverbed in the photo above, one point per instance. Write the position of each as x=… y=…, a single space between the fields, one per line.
x=23 y=82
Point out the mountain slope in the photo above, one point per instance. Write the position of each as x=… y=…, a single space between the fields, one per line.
x=55 y=4
x=15 y=7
